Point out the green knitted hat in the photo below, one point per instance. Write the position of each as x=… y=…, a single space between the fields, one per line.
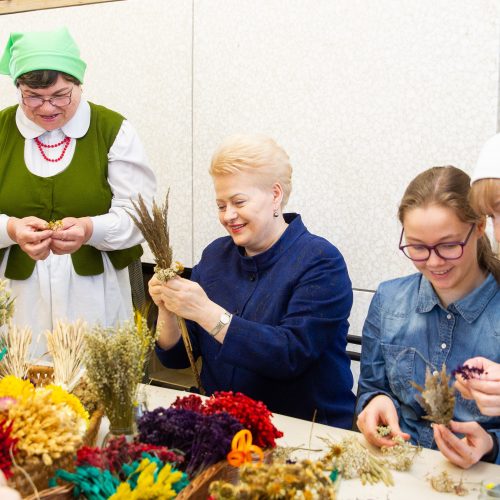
x=54 y=50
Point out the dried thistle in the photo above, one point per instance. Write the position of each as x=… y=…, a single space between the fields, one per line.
x=444 y=483
x=66 y=344
x=437 y=397
x=17 y=341
x=353 y=460
x=6 y=303
x=155 y=231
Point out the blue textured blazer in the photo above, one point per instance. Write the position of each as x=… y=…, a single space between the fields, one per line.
x=286 y=343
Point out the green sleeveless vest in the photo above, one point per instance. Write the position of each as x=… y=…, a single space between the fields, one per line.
x=80 y=190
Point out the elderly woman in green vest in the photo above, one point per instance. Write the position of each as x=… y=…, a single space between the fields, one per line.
x=65 y=160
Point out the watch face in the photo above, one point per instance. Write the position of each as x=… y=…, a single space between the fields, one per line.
x=225 y=319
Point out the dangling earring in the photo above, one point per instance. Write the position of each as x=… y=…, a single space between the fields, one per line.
x=275 y=213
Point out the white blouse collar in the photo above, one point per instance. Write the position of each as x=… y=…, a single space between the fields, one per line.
x=75 y=128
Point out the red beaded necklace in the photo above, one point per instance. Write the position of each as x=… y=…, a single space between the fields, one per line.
x=41 y=145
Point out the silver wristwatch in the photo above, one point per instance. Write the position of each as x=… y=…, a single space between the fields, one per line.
x=223 y=321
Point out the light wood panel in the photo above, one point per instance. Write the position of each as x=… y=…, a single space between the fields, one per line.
x=11 y=6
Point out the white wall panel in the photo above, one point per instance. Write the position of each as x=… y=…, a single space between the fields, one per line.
x=363 y=95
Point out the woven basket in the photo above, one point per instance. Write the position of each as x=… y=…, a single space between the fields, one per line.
x=197 y=489
x=58 y=493
x=38 y=472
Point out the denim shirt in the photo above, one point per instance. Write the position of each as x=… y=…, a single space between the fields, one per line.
x=407 y=330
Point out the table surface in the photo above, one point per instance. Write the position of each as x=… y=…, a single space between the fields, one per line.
x=300 y=433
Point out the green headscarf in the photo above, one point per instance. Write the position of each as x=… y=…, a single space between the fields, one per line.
x=54 y=50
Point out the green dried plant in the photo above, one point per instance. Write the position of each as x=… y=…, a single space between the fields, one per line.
x=437 y=398
x=115 y=359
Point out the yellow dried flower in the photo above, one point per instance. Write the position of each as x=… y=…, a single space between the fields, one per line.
x=45 y=428
x=15 y=387
x=59 y=395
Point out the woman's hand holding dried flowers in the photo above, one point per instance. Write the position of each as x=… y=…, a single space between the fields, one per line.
x=75 y=232
x=32 y=235
x=188 y=300
x=463 y=452
x=485 y=388
x=380 y=411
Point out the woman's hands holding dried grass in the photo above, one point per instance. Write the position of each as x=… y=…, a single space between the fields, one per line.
x=380 y=411
x=463 y=452
x=74 y=233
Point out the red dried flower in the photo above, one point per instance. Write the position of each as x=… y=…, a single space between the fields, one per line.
x=6 y=443
x=253 y=415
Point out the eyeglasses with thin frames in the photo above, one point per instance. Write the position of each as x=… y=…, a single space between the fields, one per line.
x=37 y=101
x=450 y=250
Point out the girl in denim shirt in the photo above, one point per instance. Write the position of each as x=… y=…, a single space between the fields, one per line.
x=446 y=313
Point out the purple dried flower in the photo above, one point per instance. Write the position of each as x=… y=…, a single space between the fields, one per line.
x=468 y=372
x=204 y=439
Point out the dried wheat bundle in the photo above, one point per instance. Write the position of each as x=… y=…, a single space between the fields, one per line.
x=17 y=341
x=66 y=344
x=437 y=397
x=154 y=228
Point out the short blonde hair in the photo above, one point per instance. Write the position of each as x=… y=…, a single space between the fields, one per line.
x=483 y=195
x=254 y=153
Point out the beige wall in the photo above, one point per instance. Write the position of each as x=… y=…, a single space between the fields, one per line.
x=363 y=95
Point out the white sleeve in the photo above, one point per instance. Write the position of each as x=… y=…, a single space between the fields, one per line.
x=128 y=175
x=5 y=240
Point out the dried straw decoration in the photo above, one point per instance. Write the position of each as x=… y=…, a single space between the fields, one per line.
x=17 y=341
x=66 y=345
x=437 y=397
x=155 y=231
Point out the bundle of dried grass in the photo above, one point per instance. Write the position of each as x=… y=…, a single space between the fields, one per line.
x=66 y=344
x=6 y=303
x=155 y=231
x=115 y=360
x=437 y=397
x=17 y=341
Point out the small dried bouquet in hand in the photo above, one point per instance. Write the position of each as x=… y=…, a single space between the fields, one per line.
x=437 y=397
x=115 y=359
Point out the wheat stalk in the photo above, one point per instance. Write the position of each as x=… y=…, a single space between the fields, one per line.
x=17 y=341
x=66 y=345
x=154 y=228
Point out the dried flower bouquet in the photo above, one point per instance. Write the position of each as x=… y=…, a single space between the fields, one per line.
x=115 y=359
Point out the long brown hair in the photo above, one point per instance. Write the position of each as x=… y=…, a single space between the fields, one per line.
x=449 y=187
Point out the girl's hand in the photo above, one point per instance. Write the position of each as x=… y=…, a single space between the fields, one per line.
x=485 y=389
x=380 y=411
x=463 y=452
